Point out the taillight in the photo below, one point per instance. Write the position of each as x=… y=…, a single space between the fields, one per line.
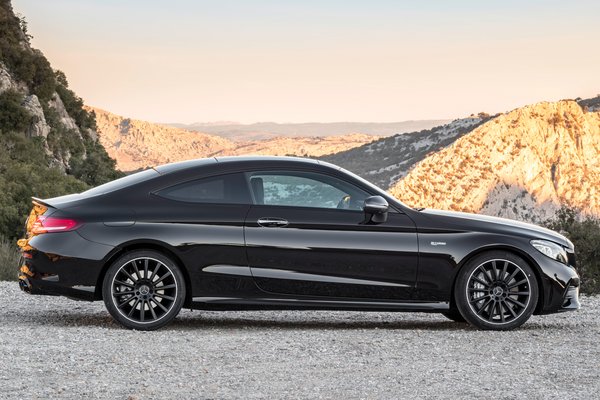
x=53 y=224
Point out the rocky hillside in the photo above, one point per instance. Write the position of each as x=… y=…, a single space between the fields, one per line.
x=48 y=143
x=523 y=164
x=137 y=144
x=387 y=160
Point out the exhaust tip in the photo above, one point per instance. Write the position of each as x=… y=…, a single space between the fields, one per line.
x=24 y=284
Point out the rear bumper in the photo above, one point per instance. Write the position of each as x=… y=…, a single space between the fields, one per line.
x=54 y=266
x=34 y=285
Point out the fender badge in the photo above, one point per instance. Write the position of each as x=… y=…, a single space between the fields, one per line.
x=438 y=243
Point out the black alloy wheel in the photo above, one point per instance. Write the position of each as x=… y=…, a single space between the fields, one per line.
x=144 y=290
x=496 y=291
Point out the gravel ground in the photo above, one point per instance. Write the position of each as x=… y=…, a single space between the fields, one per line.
x=60 y=348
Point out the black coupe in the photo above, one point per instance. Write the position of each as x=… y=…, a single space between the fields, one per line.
x=241 y=233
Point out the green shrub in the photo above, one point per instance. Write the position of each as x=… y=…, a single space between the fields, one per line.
x=585 y=235
x=13 y=116
x=24 y=172
x=28 y=66
x=97 y=168
x=9 y=259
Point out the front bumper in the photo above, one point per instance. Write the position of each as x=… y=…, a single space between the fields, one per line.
x=571 y=299
x=559 y=286
x=562 y=296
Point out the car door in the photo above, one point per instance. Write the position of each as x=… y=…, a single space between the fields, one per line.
x=306 y=234
x=203 y=219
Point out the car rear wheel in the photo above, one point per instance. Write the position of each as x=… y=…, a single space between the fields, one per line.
x=497 y=291
x=143 y=290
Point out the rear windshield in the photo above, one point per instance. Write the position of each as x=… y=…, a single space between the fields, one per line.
x=122 y=182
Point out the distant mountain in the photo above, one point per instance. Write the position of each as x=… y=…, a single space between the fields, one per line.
x=387 y=160
x=137 y=144
x=524 y=164
x=267 y=130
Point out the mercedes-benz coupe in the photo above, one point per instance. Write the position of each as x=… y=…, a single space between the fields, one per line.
x=241 y=233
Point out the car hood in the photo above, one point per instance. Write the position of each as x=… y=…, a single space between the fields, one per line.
x=486 y=223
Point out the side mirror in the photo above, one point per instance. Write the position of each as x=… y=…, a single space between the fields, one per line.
x=376 y=208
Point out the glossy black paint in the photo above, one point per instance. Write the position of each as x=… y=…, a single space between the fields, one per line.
x=253 y=256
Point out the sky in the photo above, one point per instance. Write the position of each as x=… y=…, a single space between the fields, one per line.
x=318 y=61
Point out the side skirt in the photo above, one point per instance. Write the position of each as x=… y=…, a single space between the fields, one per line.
x=238 y=303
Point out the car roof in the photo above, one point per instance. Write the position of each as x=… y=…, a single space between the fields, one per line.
x=265 y=158
x=182 y=165
x=202 y=162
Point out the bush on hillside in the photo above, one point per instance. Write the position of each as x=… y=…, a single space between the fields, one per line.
x=585 y=235
x=24 y=173
x=27 y=65
x=97 y=168
x=13 y=116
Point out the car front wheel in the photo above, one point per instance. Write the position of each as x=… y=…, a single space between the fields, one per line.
x=497 y=291
x=143 y=290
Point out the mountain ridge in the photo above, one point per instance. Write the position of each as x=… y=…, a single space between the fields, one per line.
x=137 y=144
x=388 y=159
x=268 y=130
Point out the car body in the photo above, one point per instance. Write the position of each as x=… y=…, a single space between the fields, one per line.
x=270 y=233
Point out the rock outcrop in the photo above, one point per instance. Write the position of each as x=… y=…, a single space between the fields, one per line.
x=39 y=126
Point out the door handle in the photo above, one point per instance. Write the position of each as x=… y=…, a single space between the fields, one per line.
x=270 y=222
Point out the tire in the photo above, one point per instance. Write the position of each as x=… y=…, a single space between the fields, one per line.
x=496 y=290
x=454 y=315
x=143 y=290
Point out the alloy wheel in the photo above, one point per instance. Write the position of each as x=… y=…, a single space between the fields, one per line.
x=144 y=290
x=498 y=291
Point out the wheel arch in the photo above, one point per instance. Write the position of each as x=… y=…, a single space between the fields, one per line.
x=511 y=249
x=158 y=246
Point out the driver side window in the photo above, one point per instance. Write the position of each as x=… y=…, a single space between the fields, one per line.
x=305 y=189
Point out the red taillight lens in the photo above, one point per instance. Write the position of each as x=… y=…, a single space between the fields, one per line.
x=51 y=224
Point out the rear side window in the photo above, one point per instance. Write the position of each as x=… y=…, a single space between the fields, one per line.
x=222 y=189
x=123 y=182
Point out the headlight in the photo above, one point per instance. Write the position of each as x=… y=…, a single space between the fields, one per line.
x=551 y=249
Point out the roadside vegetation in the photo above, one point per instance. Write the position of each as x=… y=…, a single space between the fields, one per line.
x=585 y=235
x=9 y=259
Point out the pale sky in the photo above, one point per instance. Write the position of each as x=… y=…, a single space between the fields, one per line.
x=318 y=61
